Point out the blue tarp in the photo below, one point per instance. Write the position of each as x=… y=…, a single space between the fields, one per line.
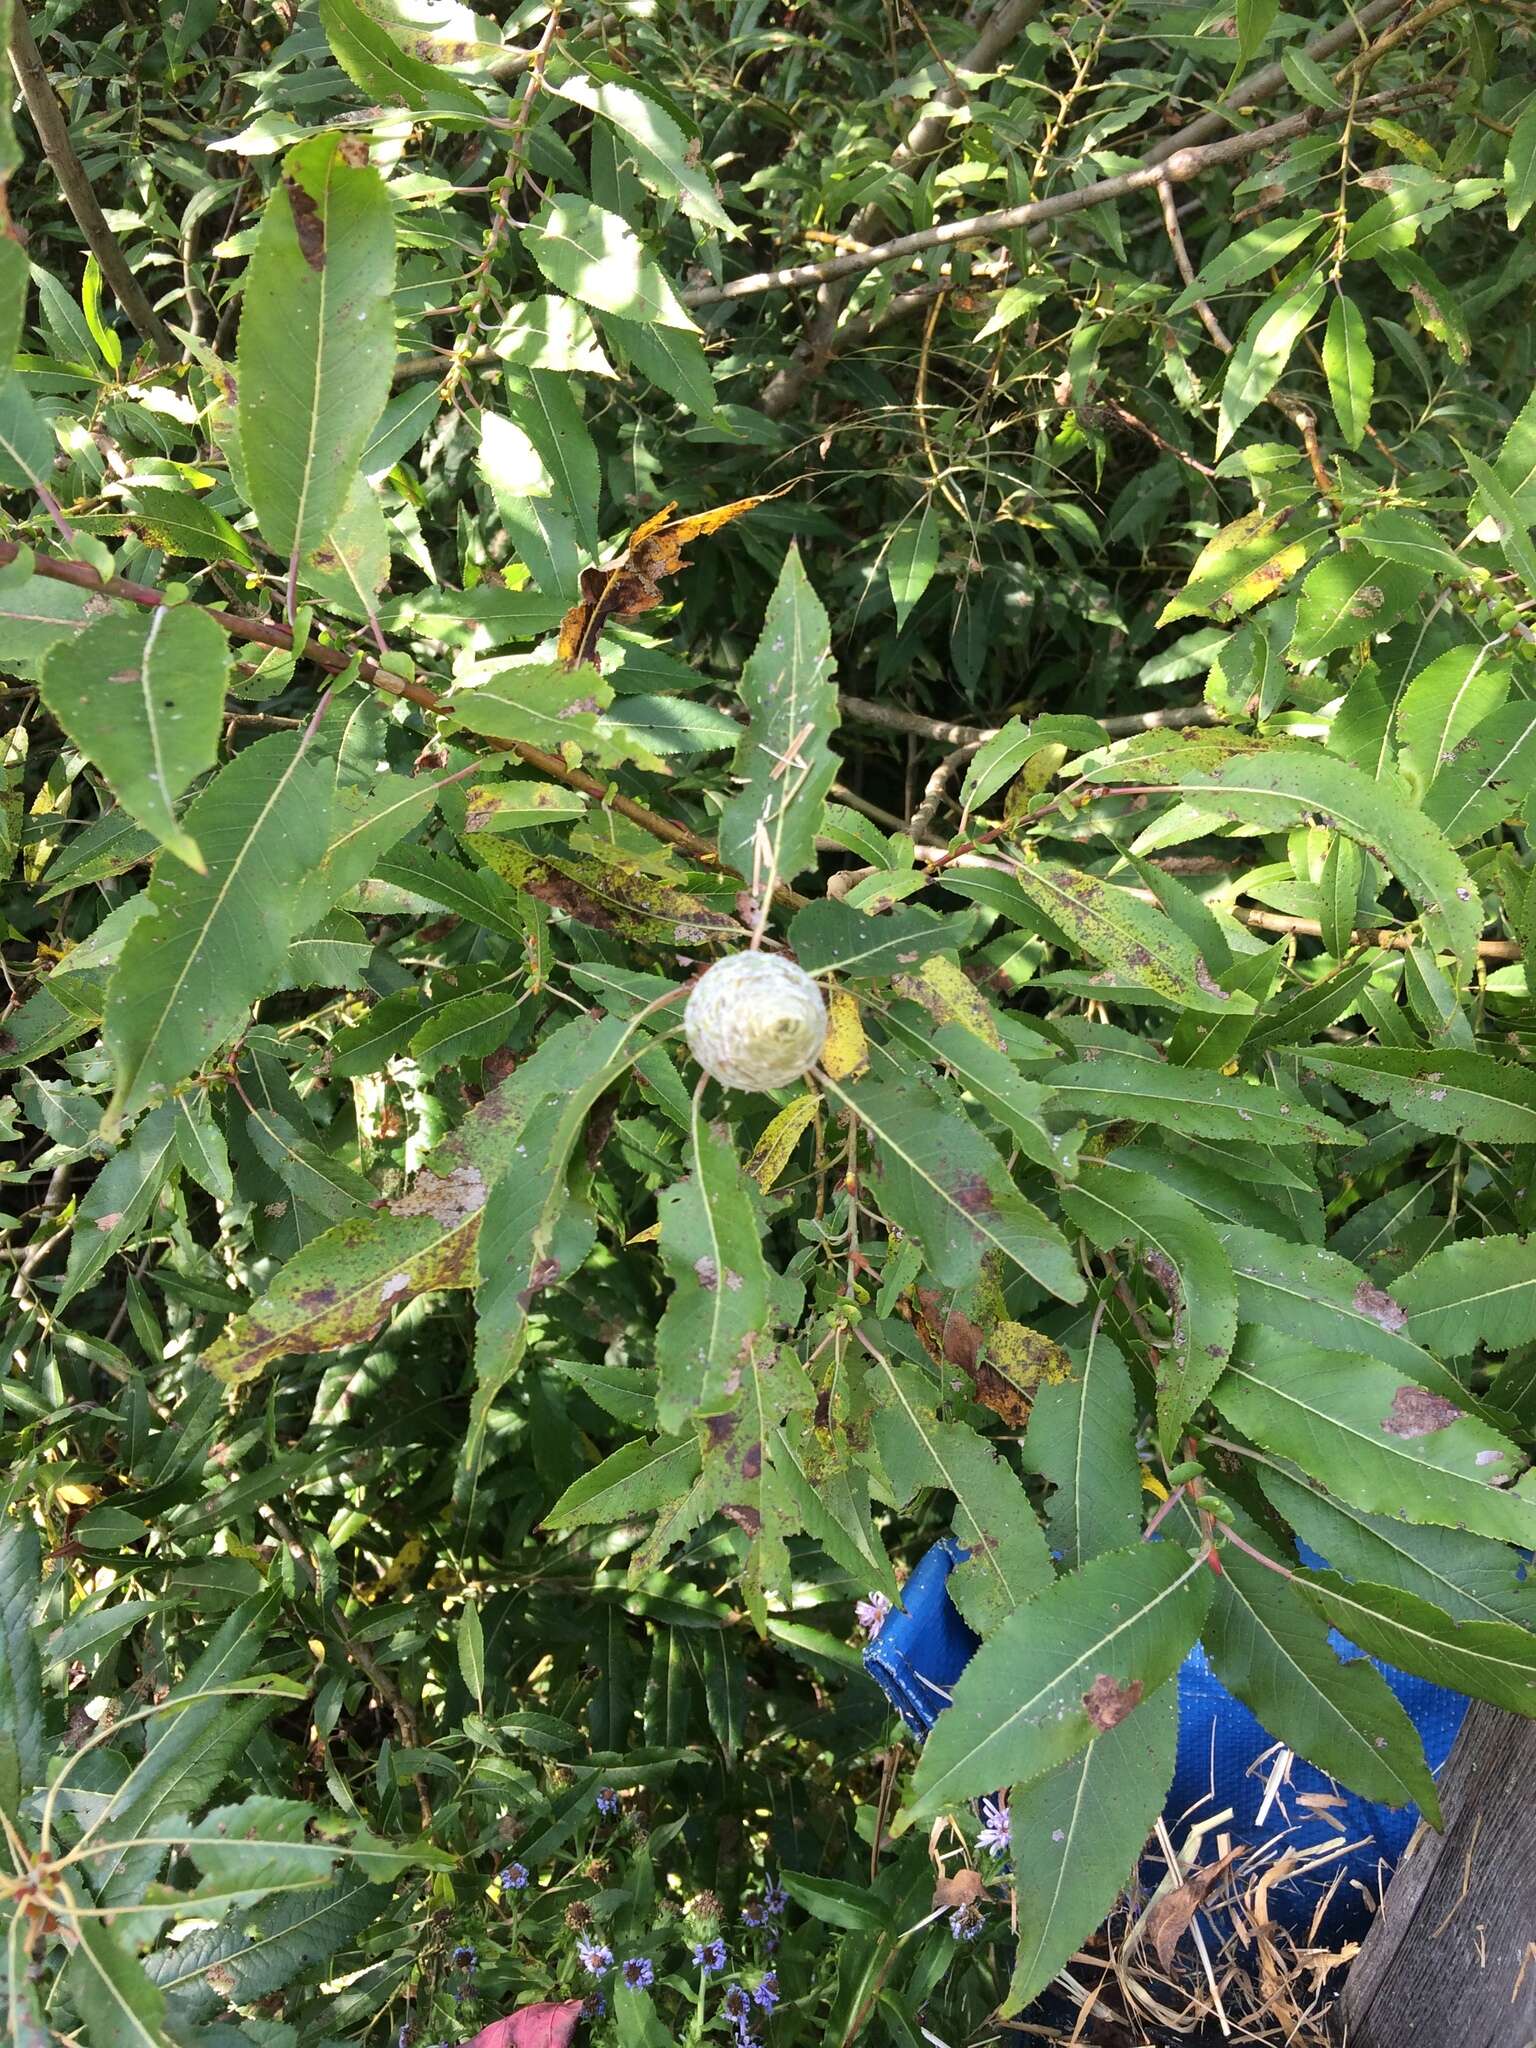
x=1225 y=1754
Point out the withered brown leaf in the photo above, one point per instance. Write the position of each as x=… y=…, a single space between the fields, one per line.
x=632 y=585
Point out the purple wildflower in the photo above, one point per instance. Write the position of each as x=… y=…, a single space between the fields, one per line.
x=997 y=1827
x=594 y=1957
x=752 y=1914
x=870 y=1614
x=767 y=1993
x=738 y=2006
x=709 y=1955
x=607 y=1799
x=594 y=2006
x=514 y=1877
x=775 y=1899
x=465 y=1959
x=639 y=1973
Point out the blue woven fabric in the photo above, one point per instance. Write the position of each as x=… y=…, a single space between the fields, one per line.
x=1224 y=1757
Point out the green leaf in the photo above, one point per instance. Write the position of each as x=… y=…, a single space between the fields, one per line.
x=1200 y=1104
x=850 y=1907
x=1245 y=256
x=944 y=1184
x=657 y=146
x=1141 y=946
x=200 y=1146
x=1255 y=19
x=542 y=702
x=471 y=1649
x=142 y=694
x=1467 y=1576
x=1184 y=1255
x=1481 y=1291
x=1009 y=1562
x=1268 y=1647
x=717 y=1322
x=911 y=556
x=598 y=258
x=1264 y=348
x=768 y=830
x=1491 y=1660
x=550 y=332
x=266 y=1950
x=312 y=382
x=1514 y=525
x=1374 y=1439
x=1350 y=368
x=1082 y=1442
x=540 y=526
x=257 y=1846
x=1520 y=169
x=1461 y=1094
x=375 y=62
x=828 y=935
x=188 y=975
x=998 y=760
x=1085 y=1824
x=670 y=358
x=993 y=1080
x=117 y=2001
x=1443 y=703
x=1350 y=596
x=21 y=1685
x=115 y=1210
x=639 y=1479
x=1064 y=1668
x=182 y=524
x=546 y=410
x=37 y=613
x=1276 y=786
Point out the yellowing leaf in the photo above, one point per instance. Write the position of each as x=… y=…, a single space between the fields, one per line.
x=846 y=1051
x=771 y=1153
x=949 y=996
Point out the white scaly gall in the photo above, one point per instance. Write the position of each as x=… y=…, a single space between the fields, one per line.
x=755 y=1021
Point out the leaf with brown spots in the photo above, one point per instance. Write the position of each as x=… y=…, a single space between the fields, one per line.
x=1020 y=1706
x=1109 y=1702
x=1416 y=1412
x=718 y=1319
x=947 y=1187
x=350 y=1281
x=631 y=586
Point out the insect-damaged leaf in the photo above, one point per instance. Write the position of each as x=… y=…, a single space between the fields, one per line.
x=768 y=830
x=1141 y=948
x=345 y=1285
x=1181 y=1252
x=1374 y=1438
x=630 y=587
x=717 y=1322
x=1063 y=1669
x=945 y=1185
x=316 y=340
x=1277 y=785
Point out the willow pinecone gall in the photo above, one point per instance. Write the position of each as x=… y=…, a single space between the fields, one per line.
x=755 y=1021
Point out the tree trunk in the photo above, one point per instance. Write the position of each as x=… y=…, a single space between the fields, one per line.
x=1452 y=1957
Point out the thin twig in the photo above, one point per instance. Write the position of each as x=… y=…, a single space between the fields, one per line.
x=53 y=133
x=934 y=788
x=1183 y=165
x=927 y=135
x=336 y=661
x=946 y=733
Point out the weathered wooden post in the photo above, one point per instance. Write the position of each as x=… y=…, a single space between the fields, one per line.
x=1451 y=1960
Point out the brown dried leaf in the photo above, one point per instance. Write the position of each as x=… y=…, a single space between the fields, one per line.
x=632 y=585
